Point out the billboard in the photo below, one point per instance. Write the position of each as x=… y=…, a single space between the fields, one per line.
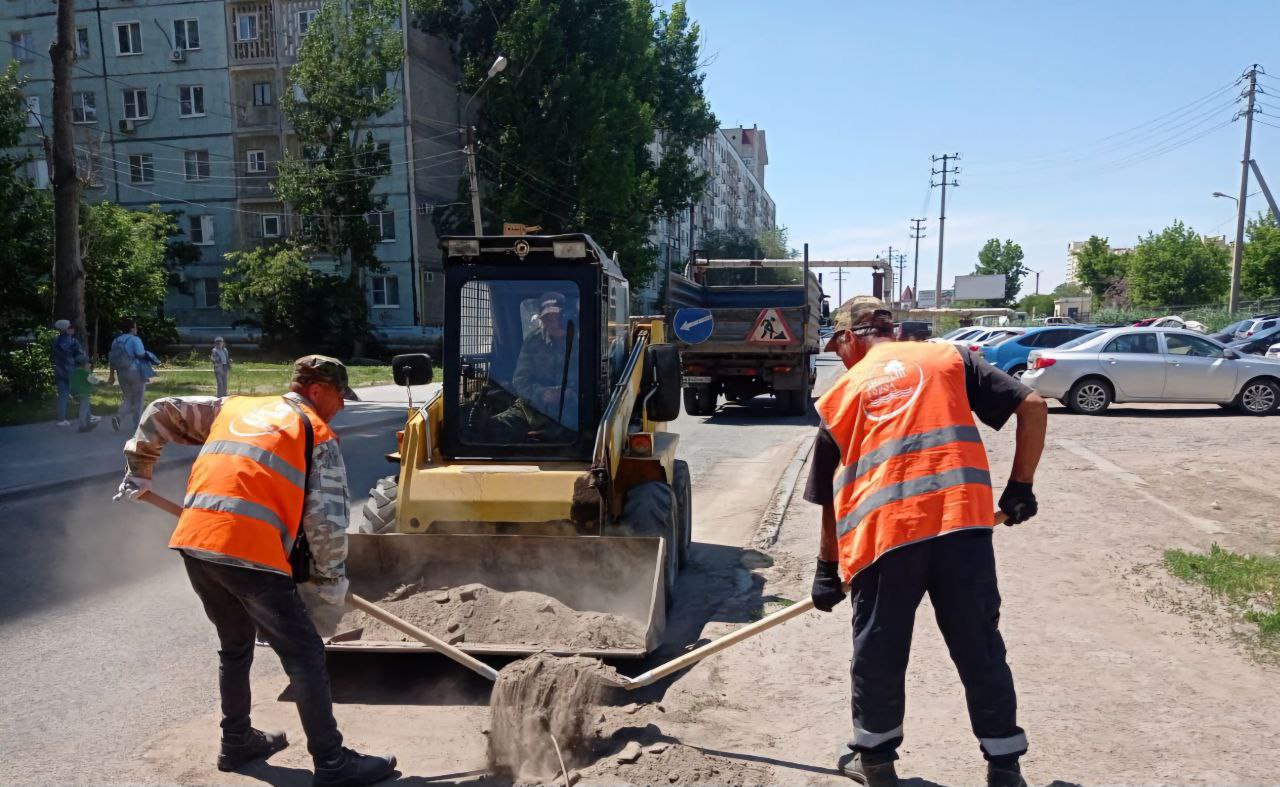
x=980 y=288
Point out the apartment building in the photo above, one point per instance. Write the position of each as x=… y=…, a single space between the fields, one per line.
x=178 y=104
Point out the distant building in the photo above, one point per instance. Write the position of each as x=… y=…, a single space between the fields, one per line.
x=1076 y=308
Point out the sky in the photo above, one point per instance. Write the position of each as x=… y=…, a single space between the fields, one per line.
x=1072 y=118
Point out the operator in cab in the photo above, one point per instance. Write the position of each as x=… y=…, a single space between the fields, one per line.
x=545 y=380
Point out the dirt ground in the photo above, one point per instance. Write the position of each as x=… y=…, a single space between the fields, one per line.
x=1124 y=675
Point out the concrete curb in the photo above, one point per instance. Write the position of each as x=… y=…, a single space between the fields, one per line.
x=46 y=486
x=770 y=526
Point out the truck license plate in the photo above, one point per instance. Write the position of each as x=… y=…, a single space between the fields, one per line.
x=696 y=380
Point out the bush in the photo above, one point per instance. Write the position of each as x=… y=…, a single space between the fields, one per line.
x=28 y=370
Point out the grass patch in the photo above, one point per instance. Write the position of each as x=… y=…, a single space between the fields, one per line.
x=1249 y=582
x=182 y=377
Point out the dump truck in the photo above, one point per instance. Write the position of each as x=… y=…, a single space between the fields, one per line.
x=543 y=463
x=745 y=328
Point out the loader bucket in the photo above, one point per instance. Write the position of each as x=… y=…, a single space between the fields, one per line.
x=616 y=575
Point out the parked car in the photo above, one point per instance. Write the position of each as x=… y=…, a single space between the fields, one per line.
x=1250 y=327
x=1060 y=321
x=1228 y=334
x=961 y=335
x=978 y=335
x=1274 y=352
x=1011 y=354
x=978 y=343
x=1257 y=344
x=913 y=330
x=1153 y=365
x=1176 y=321
x=1145 y=322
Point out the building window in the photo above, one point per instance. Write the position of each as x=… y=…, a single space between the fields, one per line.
x=191 y=101
x=384 y=221
x=305 y=18
x=257 y=161
x=262 y=94
x=247 y=27
x=382 y=157
x=135 y=104
x=129 y=38
x=208 y=292
x=200 y=230
x=386 y=292
x=82 y=43
x=33 y=111
x=186 y=33
x=196 y=163
x=270 y=225
x=84 y=108
x=141 y=168
x=24 y=49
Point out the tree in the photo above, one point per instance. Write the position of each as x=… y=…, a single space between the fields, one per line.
x=124 y=260
x=739 y=244
x=567 y=134
x=1099 y=268
x=1260 y=269
x=775 y=244
x=1069 y=289
x=69 y=269
x=1036 y=304
x=1177 y=267
x=1005 y=259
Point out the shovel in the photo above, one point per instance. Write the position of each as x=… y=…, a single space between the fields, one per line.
x=370 y=609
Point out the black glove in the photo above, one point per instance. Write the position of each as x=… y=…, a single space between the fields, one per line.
x=1018 y=502
x=827 y=588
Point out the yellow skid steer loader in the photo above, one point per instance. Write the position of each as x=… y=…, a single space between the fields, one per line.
x=542 y=464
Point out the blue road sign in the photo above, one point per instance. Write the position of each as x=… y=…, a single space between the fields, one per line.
x=693 y=326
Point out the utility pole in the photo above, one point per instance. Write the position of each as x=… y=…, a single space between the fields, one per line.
x=475 y=180
x=917 y=232
x=68 y=280
x=839 y=277
x=902 y=267
x=1237 y=253
x=942 y=217
x=1037 y=273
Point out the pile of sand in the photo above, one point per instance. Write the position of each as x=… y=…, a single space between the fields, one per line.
x=479 y=614
x=670 y=763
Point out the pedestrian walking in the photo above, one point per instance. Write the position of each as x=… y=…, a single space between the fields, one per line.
x=82 y=384
x=901 y=474
x=264 y=542
x=132 y=365
x=221 y=358
x=67 y=355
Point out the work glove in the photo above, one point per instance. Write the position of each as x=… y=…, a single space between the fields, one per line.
x=1018 y=502
x=326 y=603
x=828 y=590
x=132 y=487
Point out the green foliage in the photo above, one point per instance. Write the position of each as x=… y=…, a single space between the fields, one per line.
x=28 y=370
x=1003 y=258
x=1177 y=267
x=297 y=307
x=1241 y=579
x=342 y=71
x=1100 y=269
x=775 y=244
x=565 y=133
x=737 y=244
x=1260 y=267
x=1069 y=289
x=1039 y=305
x=124 y=262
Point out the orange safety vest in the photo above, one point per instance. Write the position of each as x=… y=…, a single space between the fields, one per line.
x=246 y=490
x=912 y=464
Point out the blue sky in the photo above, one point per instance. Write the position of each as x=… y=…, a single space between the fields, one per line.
x=1038 y=97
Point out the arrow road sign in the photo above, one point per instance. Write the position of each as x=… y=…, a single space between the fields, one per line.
x=693 y=326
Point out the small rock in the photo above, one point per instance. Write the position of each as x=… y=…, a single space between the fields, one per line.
x=468 y=611
x=1214 y=505
x=453 y=626
x=485 y=730
x=547 y=606
x=630 y=709
x=657 y=748
x=574 y=777
x=467 y=594
x=456 y=637
x=661 y=709
x=441 y=598
x=630 y=753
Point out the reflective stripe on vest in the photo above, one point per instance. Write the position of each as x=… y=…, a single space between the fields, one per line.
x=912 y=462
x=246 y=493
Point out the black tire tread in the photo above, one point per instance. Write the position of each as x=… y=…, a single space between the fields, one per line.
x=380 y=509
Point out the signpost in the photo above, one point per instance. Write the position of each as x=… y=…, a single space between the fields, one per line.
x=693 y=325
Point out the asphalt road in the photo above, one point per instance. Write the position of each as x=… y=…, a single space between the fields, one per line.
x=103 y=646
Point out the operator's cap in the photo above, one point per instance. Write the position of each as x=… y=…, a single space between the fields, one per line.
x=550 y=303
x=863 y=318
x=323 y=369
x=62 y=325
x=219 y=339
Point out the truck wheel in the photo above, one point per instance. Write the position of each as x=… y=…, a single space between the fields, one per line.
x=380 y=509
x=664 y=360
x=682 y=483
x=799 y=404
x=650 y=510
x=699 y=400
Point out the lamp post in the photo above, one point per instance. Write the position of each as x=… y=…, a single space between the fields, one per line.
x=499 y=65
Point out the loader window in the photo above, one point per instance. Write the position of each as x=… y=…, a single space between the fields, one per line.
x=519 y=345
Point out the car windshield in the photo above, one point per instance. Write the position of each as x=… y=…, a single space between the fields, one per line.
x=518 y=357
x=956 y=333
x=1079 y=341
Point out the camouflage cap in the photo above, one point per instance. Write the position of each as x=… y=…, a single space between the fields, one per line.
x=864 y=318
x=322 y=369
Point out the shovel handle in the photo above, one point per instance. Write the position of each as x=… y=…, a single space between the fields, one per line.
x=426 y=638
x=161 y=502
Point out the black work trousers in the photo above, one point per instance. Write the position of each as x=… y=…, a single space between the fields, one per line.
x=958 y=571
x=242 y=602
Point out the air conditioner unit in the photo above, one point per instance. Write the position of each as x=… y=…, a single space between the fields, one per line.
x=177 y=55
x=127 y=126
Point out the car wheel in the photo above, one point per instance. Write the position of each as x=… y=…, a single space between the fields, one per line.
x=1259 y=397
x=1090 y=396
x=1017 y=371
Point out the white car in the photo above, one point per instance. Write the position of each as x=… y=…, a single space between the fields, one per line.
x=1273 y=351
x=1250 y=327
x=976 y=335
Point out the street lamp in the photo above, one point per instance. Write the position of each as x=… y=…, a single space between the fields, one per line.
x=499 y=65
x=1228 y=196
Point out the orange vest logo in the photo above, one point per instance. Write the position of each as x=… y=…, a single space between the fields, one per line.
x=890 y=388
x=269 y=419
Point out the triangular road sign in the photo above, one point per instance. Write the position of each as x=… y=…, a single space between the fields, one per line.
x=770 y=328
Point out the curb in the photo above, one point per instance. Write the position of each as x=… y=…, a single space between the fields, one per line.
x=10 y=493
x=767 y=531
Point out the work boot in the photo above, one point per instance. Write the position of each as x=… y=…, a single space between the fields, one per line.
x=351 y=768
x=1005 y=774
x=253 y=745
x=872 y=774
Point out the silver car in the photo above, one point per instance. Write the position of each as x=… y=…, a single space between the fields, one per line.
x=1152 y=365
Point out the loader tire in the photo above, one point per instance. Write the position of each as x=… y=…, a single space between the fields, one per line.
x=650 y=509
x=380 y=509
x=664 y=360
x=682 y=483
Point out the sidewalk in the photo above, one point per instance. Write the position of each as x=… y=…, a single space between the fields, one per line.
x=38 y=457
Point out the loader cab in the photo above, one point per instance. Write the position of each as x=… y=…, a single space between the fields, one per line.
x=535 y=336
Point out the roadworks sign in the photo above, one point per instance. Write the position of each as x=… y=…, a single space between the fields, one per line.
x=770 y=328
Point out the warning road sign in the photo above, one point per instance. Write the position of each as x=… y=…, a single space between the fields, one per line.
x=770 y=328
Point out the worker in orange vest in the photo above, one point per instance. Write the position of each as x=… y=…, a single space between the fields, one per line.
x=901 y=474
x=263 y=538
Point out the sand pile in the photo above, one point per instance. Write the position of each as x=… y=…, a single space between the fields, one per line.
x=479 y=614
x=670 y=763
